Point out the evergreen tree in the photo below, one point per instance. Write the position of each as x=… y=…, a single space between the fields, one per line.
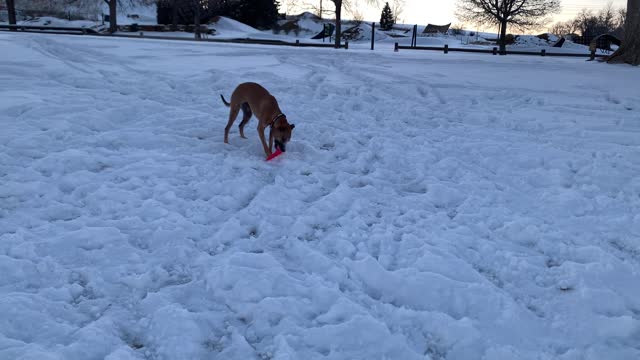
x=261 y=14
x=183 y=12
x=386 y=19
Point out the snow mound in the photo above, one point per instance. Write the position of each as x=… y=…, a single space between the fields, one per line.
x=308 y=16
x=306 y=24
x=362 y=32
x=535 y=40
x=226 y=25
x=310 y=25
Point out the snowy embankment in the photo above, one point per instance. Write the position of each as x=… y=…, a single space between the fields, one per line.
x=429 y=207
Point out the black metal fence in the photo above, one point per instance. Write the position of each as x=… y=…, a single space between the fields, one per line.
x=446 y=49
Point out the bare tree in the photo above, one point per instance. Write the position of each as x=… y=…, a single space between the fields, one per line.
x=174 y=15
x=607 y=17
x=621 y=18
x=353 y=8
x=397 y=8
x=113 y=14
x=175 y=6
x=606 y=21
x=590 y=25
x=296 y=6
x=11 y=9
x=523 y=14
x=564 y=28
x=197 y=7
x=629 y=52
x=339 y=4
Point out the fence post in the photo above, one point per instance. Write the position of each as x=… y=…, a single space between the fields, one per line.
x=395 y=49
x=414 y=38
x=593 y=55
x=373 y=34
x=495 y=51
x=543 y=52
x=446 y=48
x=346 y=45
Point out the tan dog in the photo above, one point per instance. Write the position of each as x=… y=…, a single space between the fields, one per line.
x=254 y=99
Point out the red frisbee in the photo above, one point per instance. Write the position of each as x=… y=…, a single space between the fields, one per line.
x=274 y=155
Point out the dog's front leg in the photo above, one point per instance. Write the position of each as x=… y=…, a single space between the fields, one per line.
x=267 y=150
x=271 y=139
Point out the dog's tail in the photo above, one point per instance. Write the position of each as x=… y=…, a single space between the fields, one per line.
x=224 y=101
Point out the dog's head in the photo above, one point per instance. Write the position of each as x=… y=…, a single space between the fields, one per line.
x=281 y=133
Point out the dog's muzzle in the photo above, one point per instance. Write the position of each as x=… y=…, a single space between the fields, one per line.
x=280 y=146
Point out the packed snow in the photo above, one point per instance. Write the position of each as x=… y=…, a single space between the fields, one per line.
x=429 y=206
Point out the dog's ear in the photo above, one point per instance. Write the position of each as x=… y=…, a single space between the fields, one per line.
x=293 y=126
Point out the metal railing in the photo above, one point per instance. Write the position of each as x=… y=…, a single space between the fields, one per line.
x=446 y=49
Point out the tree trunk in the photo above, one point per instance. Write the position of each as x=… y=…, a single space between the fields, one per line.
x=11 y=9
x=113 y=23
x=503 y=38
x=174 y=15
x=338 y=33
x=196 y=20
x=629 y=52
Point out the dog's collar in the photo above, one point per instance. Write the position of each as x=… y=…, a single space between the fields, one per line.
x=276 y=119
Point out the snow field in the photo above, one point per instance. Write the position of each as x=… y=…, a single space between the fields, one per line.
x=428 y=207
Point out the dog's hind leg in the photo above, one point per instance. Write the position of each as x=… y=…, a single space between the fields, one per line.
x=233 y=114
x=246 y=116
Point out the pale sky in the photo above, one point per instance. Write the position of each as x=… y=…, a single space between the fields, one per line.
x=443 y=11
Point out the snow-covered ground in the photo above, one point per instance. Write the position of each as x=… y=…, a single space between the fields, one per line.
x=57 y=22
x=429 y=207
